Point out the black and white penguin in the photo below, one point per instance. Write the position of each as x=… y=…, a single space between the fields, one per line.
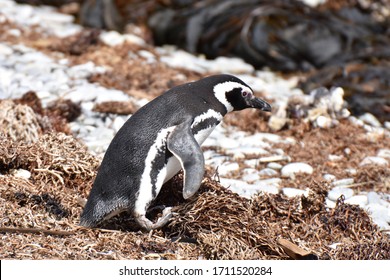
x=161 y=138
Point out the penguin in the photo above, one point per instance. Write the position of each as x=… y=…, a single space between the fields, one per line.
x=159 y=140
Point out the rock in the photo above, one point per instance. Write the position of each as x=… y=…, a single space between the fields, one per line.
x=180 y=59
x=253 y=163
x=274 y=158
x=21 y=173
x=274 y=165
x=5 y=50
x=380 y=161
x=351 y=171
x=228 y=143
x=268 y=172
x=277 y=123
x=268 y=185
x=329 y=177
x=248 y=190
x=375 y=198
x=323 y=122
x=384 y=153
x=112 y=38
x=227 y=167
x=335 y=245
x=118 y=122
x=356 y=121
x=291 y=192
x=381 y=223
x=335 y=157
x=251 y=177
x=131 y=38
x=380 y=215
x=331 y=100
x=279 y=119
x=330 y=203
x=267 y=189
x=360 y=200
x=370 y=119
x=246 y=150
x=289 y=170
x=216 y=160
x=336 y=192
x=231 y=65
x=347 y=151
x=150 y=57
x=343 y=182
x=260 y=139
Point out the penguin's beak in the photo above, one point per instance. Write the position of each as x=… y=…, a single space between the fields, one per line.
x=259 y=104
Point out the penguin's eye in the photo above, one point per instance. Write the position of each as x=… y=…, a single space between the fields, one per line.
x=245 y=93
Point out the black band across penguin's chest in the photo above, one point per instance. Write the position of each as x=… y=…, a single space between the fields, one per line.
x=205 y=124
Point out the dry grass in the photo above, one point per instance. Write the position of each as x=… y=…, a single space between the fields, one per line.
x=39 y=215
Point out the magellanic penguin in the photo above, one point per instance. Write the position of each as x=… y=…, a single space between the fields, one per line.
x=161 y=138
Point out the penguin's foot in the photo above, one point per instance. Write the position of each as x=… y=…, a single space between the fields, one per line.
x=149 y=225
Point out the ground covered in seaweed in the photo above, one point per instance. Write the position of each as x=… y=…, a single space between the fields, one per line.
x=41 y=213
x=46 y=174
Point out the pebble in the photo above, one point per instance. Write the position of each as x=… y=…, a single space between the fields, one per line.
x=216 y=160
x=267 y=189
x=292 y=192
x=251 y=177
x=180 y=59
x=375 y=198
x=384 y=153
x=360 y=200
x=251 y=163
x=370 y=119
x=268 y=172
x=227 y=168
x=261 y=139
x=335 y=157
x=291 y=169
x=329 y=177
x=323 y=122
x=274 y=165
x=336 y=192
x=228 y=143
x=330 y=203
x=275 y=158
x=247 y=190
x=114 y=38
x=343 y=182
x=351 y=171
x=380 y=161
x=380 y=215
x=21 y=173
x=271 y=185
x=246 y=150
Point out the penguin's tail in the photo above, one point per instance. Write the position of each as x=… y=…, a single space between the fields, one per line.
x=89 y=218
x=93 y=213
x=97 y=210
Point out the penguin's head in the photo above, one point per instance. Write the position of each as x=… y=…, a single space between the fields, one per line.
x=235 y=95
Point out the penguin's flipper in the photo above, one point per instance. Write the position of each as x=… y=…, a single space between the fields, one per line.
x=183 y=145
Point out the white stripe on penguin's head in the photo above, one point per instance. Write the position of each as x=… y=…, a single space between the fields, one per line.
x=221 y=89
